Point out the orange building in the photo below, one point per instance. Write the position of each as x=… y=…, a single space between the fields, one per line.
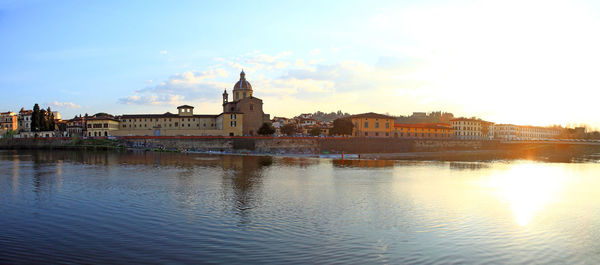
x=424 y=130
x=372 y=125
x=8 y=122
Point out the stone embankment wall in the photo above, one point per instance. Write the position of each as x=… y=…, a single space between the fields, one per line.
x=31 y=143
x=255 y=144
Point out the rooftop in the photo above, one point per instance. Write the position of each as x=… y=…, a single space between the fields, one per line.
x=372 y=115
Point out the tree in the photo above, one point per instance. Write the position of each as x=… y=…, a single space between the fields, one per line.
x=288 y=129
x=266 y=129
x=35 y=118
x=43 y=120
x=51 y=124
x=342 y=126
x=316 y=131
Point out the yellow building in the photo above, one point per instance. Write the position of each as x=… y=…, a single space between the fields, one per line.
x=101 y=126
x=372 y=125
x=184 y=123
x=424 y=130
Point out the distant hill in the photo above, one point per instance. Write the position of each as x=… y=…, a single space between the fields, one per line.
x=325 y=117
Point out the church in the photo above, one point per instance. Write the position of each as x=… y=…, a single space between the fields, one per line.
x=244 y=102
x=242 y=116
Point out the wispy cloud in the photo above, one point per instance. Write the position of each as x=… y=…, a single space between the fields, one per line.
x=67 y=105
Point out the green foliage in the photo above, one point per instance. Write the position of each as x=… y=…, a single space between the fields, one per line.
x=289 y=129
x=35 y=118
x=316 y=131
x=266 y=129
x=342 y=126
x=75 y=139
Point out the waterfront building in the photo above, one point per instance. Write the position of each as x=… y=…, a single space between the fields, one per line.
x=471 y=129
x=8 y=122
x=505 y=132
x=76 y=126
x=424 y=131
x=246 y=104
x=510 y=132
x=102 y=126
x=372 y=125
x=184 y=123
x=24 y=120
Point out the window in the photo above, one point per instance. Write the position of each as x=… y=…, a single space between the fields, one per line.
x=233 y=116
x=366 y=124
x=177 y=124
x=244 y=95
x=366 y=134
x=251 y=107
x=376 y=134
x=387 y=125
x=376 y=124
x=232 y=123
x=387 y=134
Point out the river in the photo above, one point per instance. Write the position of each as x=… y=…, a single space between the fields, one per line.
x=111 y=207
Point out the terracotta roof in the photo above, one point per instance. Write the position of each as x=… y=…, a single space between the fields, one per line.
x=94 y=118
x=242 y=84
x=424 y=125
x=166 y=115
x=372 y=115
x=466 y=119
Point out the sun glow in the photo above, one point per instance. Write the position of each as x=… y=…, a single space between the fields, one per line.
x=527 y=189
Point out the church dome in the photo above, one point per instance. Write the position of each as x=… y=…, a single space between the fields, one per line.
x=242 y=84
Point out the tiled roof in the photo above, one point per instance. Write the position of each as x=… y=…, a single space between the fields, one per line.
x=371 y=115
x=424 y=125
x=166 y=115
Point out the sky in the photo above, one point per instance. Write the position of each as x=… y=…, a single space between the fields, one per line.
x=521 y=62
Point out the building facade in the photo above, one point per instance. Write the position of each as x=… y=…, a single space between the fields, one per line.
x=372 y=125
x=184 y=123
x=511 y=132
x=245 y=103
x=8 y=122
x=424 y=131
x=24 y=120
x=76 y=126
x=471 y=129
x=101 y=126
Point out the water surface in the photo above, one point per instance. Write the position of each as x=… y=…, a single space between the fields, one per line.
x=101 y=207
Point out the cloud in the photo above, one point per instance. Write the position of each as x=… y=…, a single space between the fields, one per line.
x=68 y=105
x=189 y=85
x=163 y=52
x=282 y=78
x=152 y=100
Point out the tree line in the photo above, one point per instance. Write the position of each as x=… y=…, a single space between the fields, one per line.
x=42 y=119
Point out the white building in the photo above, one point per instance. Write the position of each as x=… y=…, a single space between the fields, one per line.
x=24 y=120
x=510 y=132
x=469 y=129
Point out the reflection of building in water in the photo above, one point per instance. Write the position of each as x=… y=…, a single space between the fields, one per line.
x=298 y=161
x=242 y=179
x=363 y=163
x=472 y=166
x=15 y=174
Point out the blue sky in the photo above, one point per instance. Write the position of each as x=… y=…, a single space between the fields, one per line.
x=524 y=62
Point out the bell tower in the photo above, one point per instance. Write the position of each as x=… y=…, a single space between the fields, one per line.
x=225 y=96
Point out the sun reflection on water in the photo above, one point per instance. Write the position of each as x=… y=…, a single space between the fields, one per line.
x=527 y=188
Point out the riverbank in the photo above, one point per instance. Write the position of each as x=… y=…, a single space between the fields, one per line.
x=334 y=148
